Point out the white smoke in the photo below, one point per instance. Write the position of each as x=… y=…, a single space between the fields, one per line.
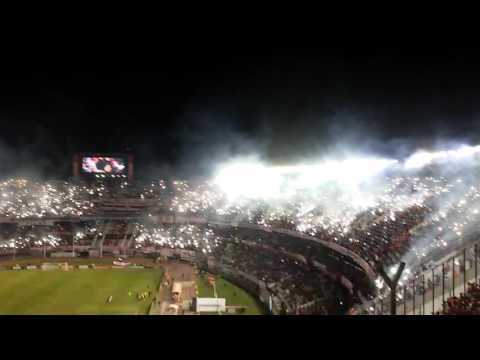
x=335 y=191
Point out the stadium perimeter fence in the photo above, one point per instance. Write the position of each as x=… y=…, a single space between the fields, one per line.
x=427 y=291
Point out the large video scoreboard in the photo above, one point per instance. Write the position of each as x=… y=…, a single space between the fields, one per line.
x=103 y=165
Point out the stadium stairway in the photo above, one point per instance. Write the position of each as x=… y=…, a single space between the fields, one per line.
x=125 y=239
x=130 y=239
x=99 y=227
x=106 y=229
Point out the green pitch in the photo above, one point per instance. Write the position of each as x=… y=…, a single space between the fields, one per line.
x=232 y=294
x=237 y=296
x=77 y=292
x=205 y=290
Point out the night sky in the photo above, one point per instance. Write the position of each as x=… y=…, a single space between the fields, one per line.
x=193 y=110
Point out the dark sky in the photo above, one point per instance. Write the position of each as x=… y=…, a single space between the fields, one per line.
x=192 y=110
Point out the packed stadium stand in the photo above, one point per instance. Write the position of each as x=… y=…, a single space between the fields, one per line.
x=295 y=259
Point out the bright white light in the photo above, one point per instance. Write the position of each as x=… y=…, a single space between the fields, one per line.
x=248 y=179
x=419 y=160
x=350 y=171
x=251 y=179
x=393 y=270
x=423 y=158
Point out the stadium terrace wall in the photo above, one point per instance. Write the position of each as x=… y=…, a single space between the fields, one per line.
x=270 y=299
x=250 y=284
x=272 y=303
x=179 y=219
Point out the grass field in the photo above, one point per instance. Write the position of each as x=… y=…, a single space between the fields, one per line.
x=79 y=292
x=232 y=293
x=205 y=290
x=5 y=264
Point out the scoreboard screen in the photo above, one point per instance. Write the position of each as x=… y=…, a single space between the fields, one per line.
x=104 y=165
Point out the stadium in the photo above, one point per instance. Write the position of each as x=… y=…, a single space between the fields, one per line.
x=358 y=235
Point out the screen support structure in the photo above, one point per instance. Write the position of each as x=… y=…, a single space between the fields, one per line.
x=130 y=167
x=76 y=165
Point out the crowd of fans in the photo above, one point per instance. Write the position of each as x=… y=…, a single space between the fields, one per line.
x=467 y=303
x=23 y=199
x=381 y=236
x=384 y=241
x=289 y=278
x=413 y=216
